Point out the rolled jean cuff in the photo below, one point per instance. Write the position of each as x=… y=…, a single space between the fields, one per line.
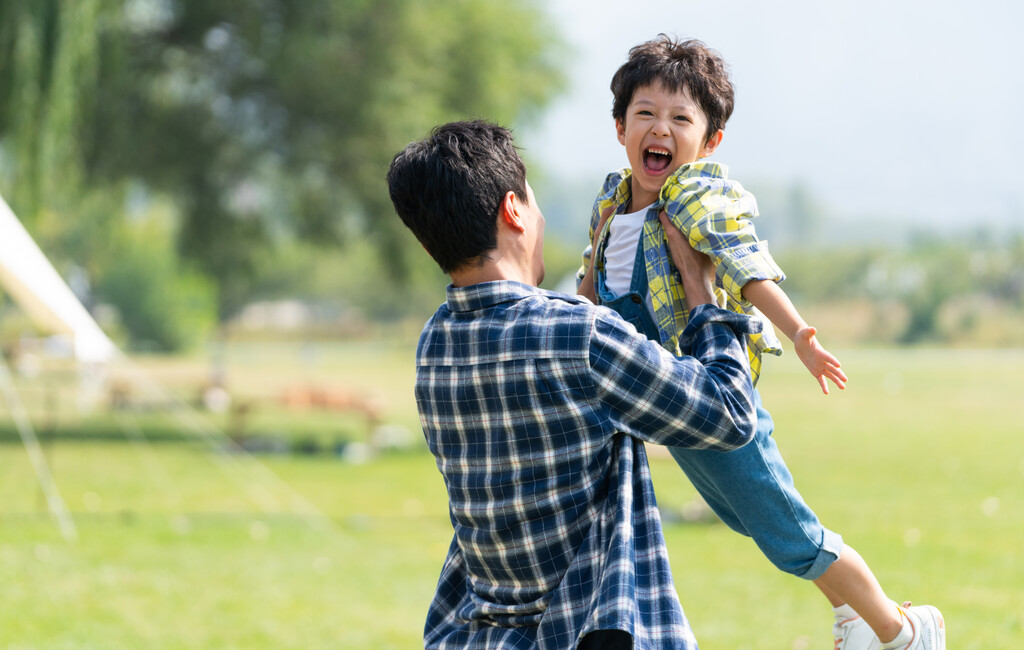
x=830 y=550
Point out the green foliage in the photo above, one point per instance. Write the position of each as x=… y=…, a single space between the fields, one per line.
x=357 y=277
x=47 y=75
x=262 y=120
x=929 y=280
x=165 y=305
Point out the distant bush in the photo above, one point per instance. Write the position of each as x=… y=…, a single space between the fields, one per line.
x=929 y=290
x=159 y=303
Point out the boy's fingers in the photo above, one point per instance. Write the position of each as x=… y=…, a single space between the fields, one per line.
x=837 y=374
x=838 y=380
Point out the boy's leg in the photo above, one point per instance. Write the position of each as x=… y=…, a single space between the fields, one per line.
x=752 y=491
x=850 y=581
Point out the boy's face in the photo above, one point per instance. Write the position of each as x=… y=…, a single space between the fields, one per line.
x=662 y=131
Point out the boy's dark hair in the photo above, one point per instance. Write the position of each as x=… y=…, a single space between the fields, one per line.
x=447 y=189
x=676 y=64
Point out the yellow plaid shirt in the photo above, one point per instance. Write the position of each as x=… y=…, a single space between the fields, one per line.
x=714 y=213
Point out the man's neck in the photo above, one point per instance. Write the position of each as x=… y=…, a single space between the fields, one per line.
x=492 y=270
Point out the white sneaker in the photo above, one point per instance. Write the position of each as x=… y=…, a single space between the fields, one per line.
x=929 y=628
x=926 y=623
x=854 y=634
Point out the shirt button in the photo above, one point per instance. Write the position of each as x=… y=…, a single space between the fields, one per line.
x=637 y=299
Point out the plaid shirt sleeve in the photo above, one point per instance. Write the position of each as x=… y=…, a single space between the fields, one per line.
x=703 y=400
x=715 y=213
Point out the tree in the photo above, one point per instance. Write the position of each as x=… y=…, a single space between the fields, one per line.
x=262 y=120
x=47 y=72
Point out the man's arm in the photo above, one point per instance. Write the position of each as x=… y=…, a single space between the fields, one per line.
x=772 y=301
x=704 y=400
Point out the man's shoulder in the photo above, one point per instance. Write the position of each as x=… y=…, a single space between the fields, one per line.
x=516 y=321
x=563 y=300
x=546 y=309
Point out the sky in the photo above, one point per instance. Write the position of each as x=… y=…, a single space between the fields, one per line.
x=905 y=109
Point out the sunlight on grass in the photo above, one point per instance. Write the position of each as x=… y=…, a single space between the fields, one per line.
x=918 y=465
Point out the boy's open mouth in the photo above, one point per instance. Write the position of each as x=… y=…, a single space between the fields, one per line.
x=656 y=159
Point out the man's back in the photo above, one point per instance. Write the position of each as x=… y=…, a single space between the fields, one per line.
x=523 y=395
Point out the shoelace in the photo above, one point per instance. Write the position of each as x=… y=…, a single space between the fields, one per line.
x=839 y=632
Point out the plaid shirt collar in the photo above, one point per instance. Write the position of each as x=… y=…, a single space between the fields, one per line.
x=487 y=294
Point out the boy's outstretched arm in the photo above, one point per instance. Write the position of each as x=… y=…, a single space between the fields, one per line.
x=772 y=301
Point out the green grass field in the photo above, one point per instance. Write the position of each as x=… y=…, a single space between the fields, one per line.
x=919 y=464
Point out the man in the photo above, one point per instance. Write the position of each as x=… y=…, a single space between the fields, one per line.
x=536 y=406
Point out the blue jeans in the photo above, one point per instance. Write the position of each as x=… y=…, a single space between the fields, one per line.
x=752 y=491
x=750 y=488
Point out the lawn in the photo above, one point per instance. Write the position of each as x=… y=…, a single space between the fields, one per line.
x=919 y=465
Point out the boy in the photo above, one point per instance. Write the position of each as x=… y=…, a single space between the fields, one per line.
x=536 y=406
x=671 y=102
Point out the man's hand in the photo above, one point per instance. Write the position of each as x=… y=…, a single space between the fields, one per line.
x=695 y=268
x=819 y=361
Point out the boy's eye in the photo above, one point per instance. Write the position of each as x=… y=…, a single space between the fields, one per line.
x=682 y=118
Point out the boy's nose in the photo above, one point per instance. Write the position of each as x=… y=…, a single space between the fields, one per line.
x=661 y=127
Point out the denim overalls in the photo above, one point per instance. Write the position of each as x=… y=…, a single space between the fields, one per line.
x=750 y=488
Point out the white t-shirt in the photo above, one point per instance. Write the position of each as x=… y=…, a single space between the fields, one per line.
x=620 y=251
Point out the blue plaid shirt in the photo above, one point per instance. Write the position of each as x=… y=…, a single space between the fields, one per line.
x=536 y=406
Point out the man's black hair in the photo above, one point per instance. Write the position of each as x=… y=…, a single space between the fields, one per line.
x=448 y=187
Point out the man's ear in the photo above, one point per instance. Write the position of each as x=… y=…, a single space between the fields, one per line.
x=712 y=143
x=620 y=130
x=510 y=212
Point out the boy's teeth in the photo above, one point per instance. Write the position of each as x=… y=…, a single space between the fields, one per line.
x=657 y=160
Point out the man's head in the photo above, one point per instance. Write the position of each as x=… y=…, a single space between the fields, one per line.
x=671 y=102
x=450 y=188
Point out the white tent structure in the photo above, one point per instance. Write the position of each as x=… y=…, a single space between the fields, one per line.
x=35 y=285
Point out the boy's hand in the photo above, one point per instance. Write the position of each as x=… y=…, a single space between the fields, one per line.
x=822 y=364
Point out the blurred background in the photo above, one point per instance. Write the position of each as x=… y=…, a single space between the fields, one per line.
x=207 y=178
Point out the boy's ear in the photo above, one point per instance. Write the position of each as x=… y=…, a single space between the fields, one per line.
x=712 y=143
x=509 y=212
x=620 y=130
